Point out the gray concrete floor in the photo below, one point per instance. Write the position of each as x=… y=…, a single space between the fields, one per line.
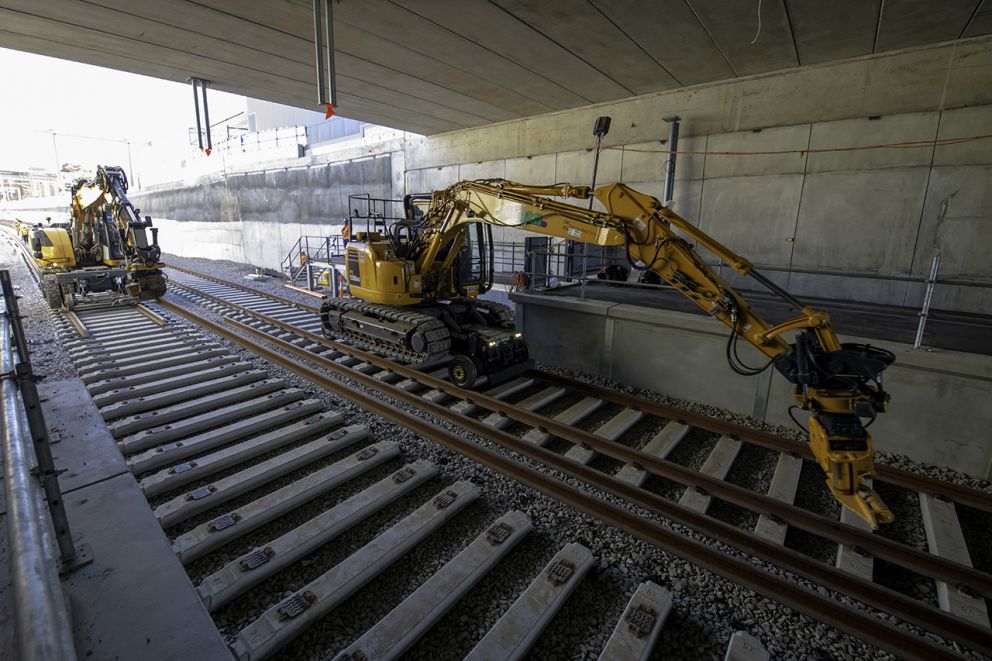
x=134 y=601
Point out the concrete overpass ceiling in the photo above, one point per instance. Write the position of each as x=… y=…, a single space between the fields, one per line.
x=430 y=66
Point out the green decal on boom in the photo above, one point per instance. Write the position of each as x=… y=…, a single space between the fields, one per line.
x=532 y=218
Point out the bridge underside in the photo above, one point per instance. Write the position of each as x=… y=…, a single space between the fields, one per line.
x=442 y=65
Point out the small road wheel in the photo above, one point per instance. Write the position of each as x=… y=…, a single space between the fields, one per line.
x=464 y=371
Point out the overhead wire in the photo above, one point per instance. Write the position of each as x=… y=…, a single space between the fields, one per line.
x=758 y=32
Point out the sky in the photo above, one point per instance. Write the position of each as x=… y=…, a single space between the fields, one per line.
x=42 y=94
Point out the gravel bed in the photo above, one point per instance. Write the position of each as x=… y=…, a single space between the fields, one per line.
x=562 y=404
x=236 y=272
x=48 y=358
x=707 y=609
x=899 y=461
x=908 y=529
x=693 y=450
x=753 y=470
x=637 y=437
x=598 y=418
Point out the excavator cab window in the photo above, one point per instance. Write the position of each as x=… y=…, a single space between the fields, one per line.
x=415 y=205
x=473 y=265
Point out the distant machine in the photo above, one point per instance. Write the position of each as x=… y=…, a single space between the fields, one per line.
x=416 y=285
x=106 y=255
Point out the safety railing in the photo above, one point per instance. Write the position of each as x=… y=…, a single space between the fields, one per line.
x=308 y=251
x=260 y=141
x=38 y=533
x=555 y=266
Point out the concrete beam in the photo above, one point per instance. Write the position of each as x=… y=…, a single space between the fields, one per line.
x=587 y=34
x=752 y=45
x=523 y=43
x=835 y=30
x=669 y=32
x=906 y=23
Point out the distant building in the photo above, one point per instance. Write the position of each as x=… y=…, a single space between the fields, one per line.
x=265 y=115
x=264 y=126
x=33 y=182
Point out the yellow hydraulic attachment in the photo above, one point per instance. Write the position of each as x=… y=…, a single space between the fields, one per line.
x=419 y=264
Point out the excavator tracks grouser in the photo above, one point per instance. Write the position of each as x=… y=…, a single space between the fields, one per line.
x=474 y=339
x=400 y=333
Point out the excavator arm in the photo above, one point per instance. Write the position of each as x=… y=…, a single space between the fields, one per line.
x=838 y=383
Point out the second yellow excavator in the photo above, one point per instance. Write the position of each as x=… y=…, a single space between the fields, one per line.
x=416 y=285
x=106 y=255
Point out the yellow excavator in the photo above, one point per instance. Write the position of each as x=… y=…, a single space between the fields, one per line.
x=415 y=287
x=106 y=255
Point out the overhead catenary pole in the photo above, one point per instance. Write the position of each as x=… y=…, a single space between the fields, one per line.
x=58 y=164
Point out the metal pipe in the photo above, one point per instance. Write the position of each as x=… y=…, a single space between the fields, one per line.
x=775 y=289
x=206 y=113
x=927 y=298
x=40 y=614
x=318 y=41
x=331 y=76
x=673 y=146
x=36 y=423
x=196 y=106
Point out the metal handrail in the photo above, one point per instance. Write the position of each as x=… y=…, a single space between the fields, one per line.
x=41 y=618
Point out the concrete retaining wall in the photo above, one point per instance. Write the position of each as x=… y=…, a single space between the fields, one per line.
x=307 y=193
x=880 y=212
x=938 y=412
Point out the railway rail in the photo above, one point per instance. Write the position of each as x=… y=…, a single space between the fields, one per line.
x=223 y=451
x=255 y=319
